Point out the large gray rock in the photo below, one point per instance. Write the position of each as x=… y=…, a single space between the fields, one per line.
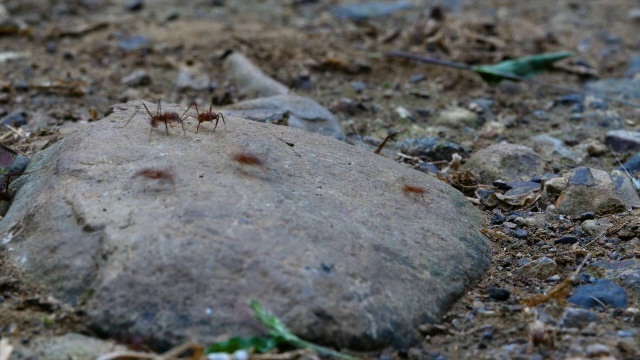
x=321 y=233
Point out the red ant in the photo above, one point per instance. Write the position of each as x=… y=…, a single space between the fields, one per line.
x=155 y=174
x=247 y=159
x=160 y=117
x=410 y=189
x=207 y=116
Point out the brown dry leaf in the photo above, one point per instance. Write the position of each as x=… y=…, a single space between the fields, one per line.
x=560 y=293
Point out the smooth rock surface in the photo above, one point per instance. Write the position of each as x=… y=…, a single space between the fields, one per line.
x=321 y=234
x=504 y=161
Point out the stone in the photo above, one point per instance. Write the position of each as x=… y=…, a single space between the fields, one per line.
x=134 y=43
x=65 y=347
x=578 y=318
x=594 y=227
x=627 y=88
x=551 y=148
x=602 y=292
x=498 y=294
x=631 y=278
x=301 y=231
x=457 y=118
x=589 y=189
x=555 y=185
x=133 y=5
x=504 y=161
x=16 y=118
x=191 y=79
x=566 y=240
x=625 y=189
x=249 y=79
x=430 y=148
x=632 y=165
x=368 y=10
x=540 y=268
x=302 y=112
x=623 y=140
x=597 y=350
x=137 y=78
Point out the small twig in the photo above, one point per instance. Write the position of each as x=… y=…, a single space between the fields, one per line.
x=384 y=142
x=574 y=277
x=598 y=301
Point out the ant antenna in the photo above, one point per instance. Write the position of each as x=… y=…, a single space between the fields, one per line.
x=636 y=182
x=356 y=131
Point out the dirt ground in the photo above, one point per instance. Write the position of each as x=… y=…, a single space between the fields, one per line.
x=76 y=52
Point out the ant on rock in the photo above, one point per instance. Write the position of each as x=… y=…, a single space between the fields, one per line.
x=163 y=176
x=160 y=117
x=207 y=116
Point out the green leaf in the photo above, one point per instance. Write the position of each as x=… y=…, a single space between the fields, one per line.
x=278 y=330
x=258 y=344
x=520 y=68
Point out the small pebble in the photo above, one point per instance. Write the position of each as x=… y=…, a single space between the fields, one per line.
x=498 y=294
x=628 y=333
x=578 y=318
x=497 y=219
x=133 y=5
x=416 y=78
x=137 y=78
x=596 y=350
x=134 y=43
x=51 y=47
x=358 y=86
x=16 y=118
x=554 y=278
x=521 y=233
x=566 y=240
x=587 y=216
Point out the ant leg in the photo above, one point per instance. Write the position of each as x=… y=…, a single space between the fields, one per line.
x=198 y=128
x=149 y=112
x=166 y=126
x=132 y=115
x=218 y=116
x=183 y=130
x=193 y=103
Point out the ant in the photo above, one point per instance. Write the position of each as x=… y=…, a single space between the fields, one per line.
x=163 y=176
x=247 y=159
x=160 y=117
x=207 y=116
x=155 y=174
x=411 y=189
